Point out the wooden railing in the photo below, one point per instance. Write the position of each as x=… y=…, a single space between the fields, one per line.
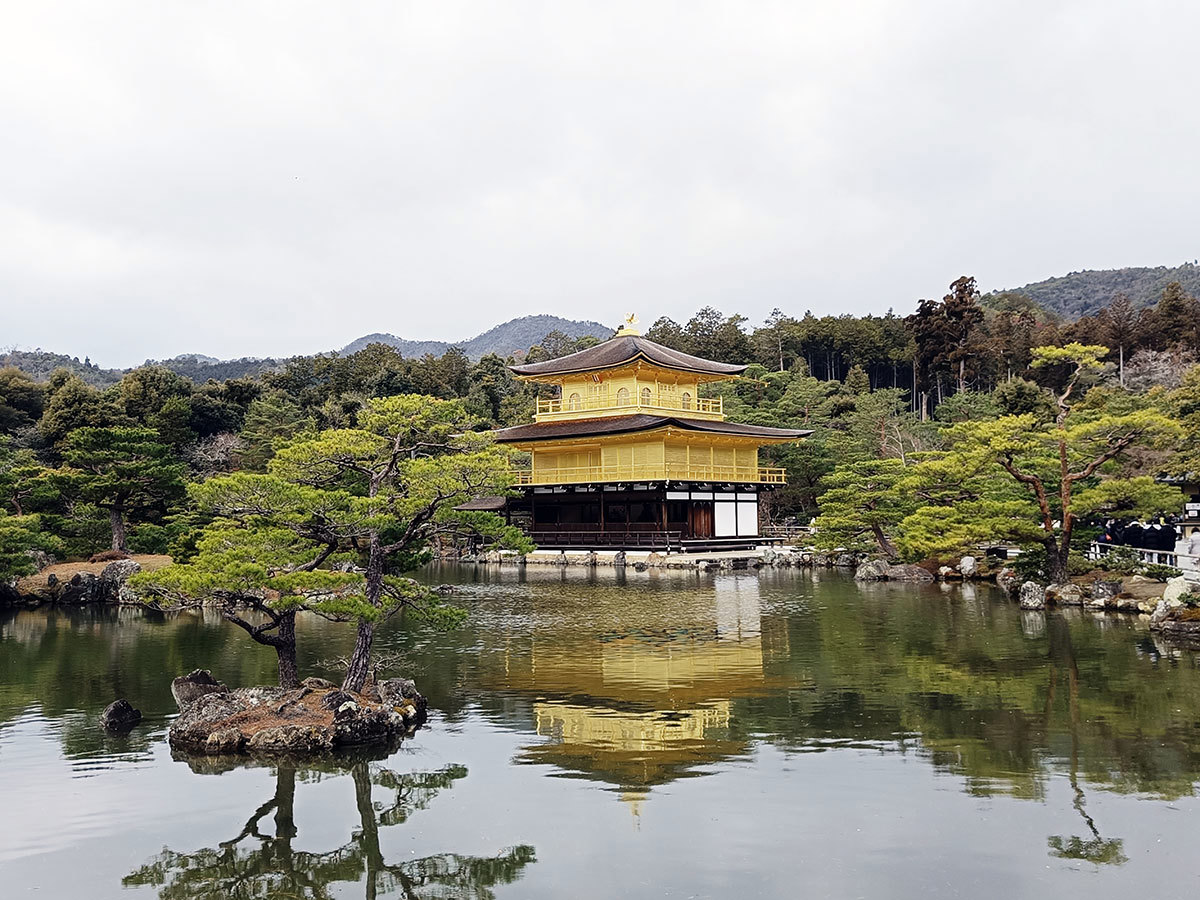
x=653 y=472
x=696 y=407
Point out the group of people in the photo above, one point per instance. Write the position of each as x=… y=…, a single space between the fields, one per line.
x=1155 y=536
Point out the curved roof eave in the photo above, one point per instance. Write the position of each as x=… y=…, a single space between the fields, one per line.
x=623 y=350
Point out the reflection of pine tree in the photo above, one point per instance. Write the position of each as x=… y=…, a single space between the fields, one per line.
x=274 y=868
x=1096 y=849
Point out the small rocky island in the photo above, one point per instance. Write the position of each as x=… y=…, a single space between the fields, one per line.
x=314 y=718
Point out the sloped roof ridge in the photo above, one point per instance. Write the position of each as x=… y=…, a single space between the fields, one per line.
x=623 y=349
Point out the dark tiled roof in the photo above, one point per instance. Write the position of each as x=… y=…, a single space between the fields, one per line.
x=626 y=349
x=627 y=424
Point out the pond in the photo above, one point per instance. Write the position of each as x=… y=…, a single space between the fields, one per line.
x=656 y=734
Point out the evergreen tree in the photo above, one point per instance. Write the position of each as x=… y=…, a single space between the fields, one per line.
x=378 y=493
x=124 y=471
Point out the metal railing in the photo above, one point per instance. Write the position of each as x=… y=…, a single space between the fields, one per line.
x=697 y=407
x=1188 y=564
x=653 y=472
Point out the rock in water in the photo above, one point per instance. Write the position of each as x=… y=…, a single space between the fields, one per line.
x=1065 y=594
x=402 y=692
x=119 y=716
x=1105 y=590
x=968 y=567
x=1006 y=580
x=186 y=689
x=872 y=570
x=299 y=722
x=908 y=573
x=1032 y=596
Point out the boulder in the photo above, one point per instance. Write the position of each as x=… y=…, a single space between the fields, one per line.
x=1007 y=581
x=401 y=693
x=117 y=573
x=619 y=558
x=908 y=573
x=1105 y=590
x=1064 y=594
x=1176 y=588
x=945 y=572
x=84 y=588
x=301 y=740
x=968 y=567
x=872 y=570
x=223 y=741
x=844 y=561
x=1032 y=596
x=186 y=689
x=40 y=558
x=120 y=715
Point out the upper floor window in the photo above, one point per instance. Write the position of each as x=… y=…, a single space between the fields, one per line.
x=686 y=400
x=646 y=394
x=623 y=397
x=574 y=402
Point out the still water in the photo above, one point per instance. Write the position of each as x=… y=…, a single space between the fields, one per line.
x=647 y=735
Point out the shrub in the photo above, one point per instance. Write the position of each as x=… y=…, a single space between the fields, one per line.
x=1120 y=560
x=1158 y=572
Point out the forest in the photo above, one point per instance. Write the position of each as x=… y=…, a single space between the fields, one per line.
x=914 y=417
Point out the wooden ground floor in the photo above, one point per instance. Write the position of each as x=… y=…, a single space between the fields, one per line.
x=671 y=516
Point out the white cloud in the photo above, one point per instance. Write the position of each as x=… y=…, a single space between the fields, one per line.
x=266 y=178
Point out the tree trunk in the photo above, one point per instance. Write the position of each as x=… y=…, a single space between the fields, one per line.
x=285 y=650
x=1121 y=351
x=116 y=516
x=360 y=658
x=882 y=540
x=1056 y=561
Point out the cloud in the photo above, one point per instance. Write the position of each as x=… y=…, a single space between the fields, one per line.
x=263 y=179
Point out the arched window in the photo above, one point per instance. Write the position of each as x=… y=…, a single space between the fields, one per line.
x=573 y=402
x=687 y=400
x=646 y=394
x=623 y=397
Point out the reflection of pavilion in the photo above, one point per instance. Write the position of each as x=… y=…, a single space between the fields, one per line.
x=651 y=702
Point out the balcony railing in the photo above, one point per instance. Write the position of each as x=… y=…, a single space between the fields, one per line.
x=653 y=472
x=694 y=407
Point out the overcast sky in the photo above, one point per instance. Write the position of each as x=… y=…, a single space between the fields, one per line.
x=262 y=179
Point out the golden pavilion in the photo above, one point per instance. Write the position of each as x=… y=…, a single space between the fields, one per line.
x=629 y=455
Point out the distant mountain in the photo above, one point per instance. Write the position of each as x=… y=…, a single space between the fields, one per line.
x=1083 y=293
x=515 y=336
x=39 y=364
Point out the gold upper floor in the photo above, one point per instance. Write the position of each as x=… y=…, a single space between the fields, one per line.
x=630 y=390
